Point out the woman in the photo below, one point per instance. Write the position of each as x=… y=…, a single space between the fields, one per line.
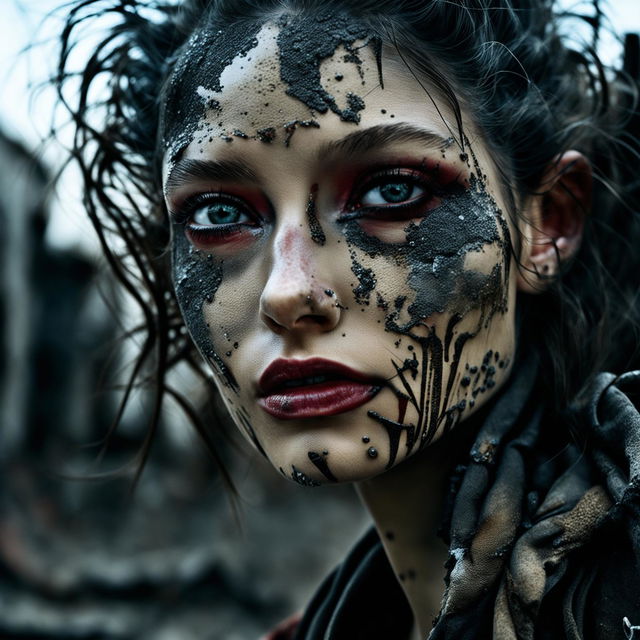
x=387 y=244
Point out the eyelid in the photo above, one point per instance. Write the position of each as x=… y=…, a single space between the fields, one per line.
x=372 y=180
x=182 y=211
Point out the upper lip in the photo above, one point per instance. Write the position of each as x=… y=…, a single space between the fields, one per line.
x=282 y=371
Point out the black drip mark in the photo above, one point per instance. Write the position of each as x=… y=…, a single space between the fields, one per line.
x=317 y=234
x=394 y=431
x=300 y=477
x=321 y=463
x=290 y=128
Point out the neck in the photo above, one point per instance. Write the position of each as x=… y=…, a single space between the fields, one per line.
x=406 y=504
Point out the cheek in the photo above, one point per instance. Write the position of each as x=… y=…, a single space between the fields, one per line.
x=197 y=279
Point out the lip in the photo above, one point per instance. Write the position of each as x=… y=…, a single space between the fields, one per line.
x=338 y=388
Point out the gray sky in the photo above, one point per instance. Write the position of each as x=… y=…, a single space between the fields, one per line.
x=21 y=24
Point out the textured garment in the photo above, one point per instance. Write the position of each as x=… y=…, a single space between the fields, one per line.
x=543 y=531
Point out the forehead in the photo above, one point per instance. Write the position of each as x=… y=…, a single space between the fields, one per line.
x=265 y=81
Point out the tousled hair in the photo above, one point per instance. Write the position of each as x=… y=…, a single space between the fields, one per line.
x=531 y=94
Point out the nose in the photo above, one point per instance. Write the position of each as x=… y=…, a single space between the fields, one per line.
x=295 y=298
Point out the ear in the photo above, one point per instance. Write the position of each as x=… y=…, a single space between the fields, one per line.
x=555 y=221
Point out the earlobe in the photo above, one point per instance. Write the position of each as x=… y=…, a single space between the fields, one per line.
x=555 y=221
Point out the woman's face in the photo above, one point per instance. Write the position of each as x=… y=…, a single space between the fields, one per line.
x=341 y=262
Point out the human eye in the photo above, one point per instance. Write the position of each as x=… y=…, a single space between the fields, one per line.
x=212 y=219
x=393 y=194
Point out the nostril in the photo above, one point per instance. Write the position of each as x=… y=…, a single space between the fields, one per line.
x=311 y=318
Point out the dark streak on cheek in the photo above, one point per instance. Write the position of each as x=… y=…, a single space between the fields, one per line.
x=197 y=277
x=317 y=234
x=321 y=463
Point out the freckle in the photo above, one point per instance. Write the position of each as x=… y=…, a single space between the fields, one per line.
x=228 y=354
x=344 y=335
x=390 y=535
x=383 y=111
x=466 y=381
x=372 y=452
x=365 y=439
x=410 y=347
x=325 y=453
x=235 y=345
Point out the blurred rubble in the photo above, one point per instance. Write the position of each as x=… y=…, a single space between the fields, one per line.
x=87 y=559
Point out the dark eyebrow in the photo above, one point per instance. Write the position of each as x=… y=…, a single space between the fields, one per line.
x=225 y=170
x=360 y=142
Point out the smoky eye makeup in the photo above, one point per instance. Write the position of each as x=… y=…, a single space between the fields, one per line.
x=213 y=219
x=399 y=193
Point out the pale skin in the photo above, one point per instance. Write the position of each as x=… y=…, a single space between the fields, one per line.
x=285 y=294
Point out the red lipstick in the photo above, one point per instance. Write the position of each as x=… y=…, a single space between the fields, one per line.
x=293 y=389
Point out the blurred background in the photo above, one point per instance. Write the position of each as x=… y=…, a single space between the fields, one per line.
x=81 y=556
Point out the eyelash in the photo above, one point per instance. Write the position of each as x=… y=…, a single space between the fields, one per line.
x=414 y=207
x=213 y=233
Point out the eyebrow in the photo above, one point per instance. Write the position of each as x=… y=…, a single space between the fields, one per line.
x=361 y=142
x=225 y=170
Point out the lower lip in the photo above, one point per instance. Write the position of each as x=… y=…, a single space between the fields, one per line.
x=326 y=399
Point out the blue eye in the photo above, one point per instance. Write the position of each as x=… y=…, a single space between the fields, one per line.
x=392 y=192
x=219 y=213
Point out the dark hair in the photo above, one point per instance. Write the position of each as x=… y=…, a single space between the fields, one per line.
x=531 y=95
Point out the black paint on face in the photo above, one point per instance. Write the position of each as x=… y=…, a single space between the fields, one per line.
x=302 y=50
x=205 y=56
x=317 y=234
x=321 y=464
x=197 y=277
x=299 y=477
x=435 y=252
